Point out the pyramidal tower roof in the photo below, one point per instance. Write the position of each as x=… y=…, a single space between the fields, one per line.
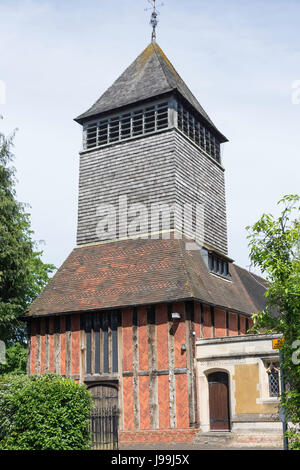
x=149 y=76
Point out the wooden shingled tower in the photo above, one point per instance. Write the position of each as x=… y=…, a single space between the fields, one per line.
x=122 y=313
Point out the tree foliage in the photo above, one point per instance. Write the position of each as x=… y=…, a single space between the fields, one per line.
x=9 y=386
x=274 y=244
x=22 y=273
x=16 y=360
x=44 y=412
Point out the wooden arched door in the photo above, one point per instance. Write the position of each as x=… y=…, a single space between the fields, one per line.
x=104 y=396
x=105 y=416
x=219 y=401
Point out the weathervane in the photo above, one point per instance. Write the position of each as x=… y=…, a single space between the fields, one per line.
x=154 y=18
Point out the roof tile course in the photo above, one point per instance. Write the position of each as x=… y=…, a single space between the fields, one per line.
x=139 y=272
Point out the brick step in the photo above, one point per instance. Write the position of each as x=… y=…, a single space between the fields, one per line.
x=231 y=439
x=209 y=438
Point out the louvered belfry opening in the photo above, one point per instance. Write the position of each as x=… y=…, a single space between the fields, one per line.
x=124 y=126
x=193 y=128
x=150 y=119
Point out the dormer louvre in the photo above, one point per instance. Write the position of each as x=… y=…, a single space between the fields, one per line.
x=193 y=128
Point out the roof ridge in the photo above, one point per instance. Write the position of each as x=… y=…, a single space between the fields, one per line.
x=252 y=274
x=157 y=50
x=186 y=271
x=163 y=59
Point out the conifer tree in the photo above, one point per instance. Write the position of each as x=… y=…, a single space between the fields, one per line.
x=22 y=273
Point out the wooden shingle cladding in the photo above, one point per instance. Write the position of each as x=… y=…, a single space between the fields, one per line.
x=163 y=168
x=142 y=170
x=198 y=180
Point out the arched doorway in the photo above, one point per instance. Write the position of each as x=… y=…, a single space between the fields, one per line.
x=219 y=401
x=105 y=416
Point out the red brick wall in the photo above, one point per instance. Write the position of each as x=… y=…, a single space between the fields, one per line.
x=51 y=345
x=128 y=403
x=127 y=339
x=163 y=402
x=220 y=323
x=243 y=328
x=63 y=345
x=179 y=337
x=207 y=326
x=162 y=332
x=232 y=324
x=75 y=344
x=197 y=319
x=156 y=436
x=33 y=347
x=144 y=402
x=43 y=345
x=142 y=338
x=182 y=405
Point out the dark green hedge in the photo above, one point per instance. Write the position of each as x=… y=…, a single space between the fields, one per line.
x=45 y=412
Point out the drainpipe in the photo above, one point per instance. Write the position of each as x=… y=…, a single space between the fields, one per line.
x=282 y=412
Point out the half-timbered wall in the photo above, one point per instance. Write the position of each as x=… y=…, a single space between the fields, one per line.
x=54 y=345
x=155 y=375
x=150 y=356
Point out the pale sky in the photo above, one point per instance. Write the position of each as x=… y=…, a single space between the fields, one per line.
x=240 y=58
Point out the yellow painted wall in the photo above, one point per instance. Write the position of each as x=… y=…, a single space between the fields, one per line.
x=246 y=378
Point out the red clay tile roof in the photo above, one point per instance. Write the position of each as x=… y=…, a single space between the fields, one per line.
x=140 y=272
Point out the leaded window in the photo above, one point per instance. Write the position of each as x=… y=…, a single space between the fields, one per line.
x=198 y=133
x=127 y=125
x=273 y=375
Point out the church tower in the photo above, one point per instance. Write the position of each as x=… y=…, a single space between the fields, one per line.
x=148 y=139
x=123 y=313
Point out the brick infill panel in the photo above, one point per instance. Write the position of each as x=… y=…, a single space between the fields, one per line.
x=160 y=435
